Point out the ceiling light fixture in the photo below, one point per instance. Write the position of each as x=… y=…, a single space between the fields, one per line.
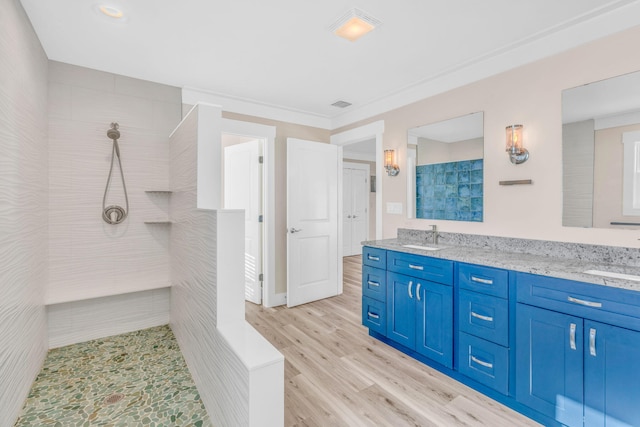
x=354 y=24
x=111 y=11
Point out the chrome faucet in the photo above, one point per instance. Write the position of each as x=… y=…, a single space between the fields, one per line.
x=434 y=234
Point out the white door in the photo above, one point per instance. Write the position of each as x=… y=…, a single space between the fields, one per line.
x=243 y=190
x=355 y=215
x=312 y=221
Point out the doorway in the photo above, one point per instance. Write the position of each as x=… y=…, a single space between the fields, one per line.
x=259 y=198
x=355 y=206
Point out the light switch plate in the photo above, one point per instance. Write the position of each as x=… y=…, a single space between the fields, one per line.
x=394 y=208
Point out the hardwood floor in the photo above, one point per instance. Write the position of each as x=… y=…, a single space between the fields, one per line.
x=336 y=375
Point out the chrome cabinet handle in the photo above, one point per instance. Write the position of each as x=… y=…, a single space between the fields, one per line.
x=481 y=280
x=354 y=216
x=418 y=290
x=481 y=317
x=572 y=336
x=592 y=341
x=416 y=267
x=348 y=216
x=373 y=258
x=410 y=286
x=585 y=302
x=295 y=230
x=482 y=362
x=375 y=316
x=370 y=283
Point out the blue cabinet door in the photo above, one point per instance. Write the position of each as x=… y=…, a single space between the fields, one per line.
x=549 y=363
x=401 y=309
x=611 y=375
x=434 y=321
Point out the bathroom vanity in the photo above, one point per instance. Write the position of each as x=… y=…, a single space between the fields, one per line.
x=534 y=332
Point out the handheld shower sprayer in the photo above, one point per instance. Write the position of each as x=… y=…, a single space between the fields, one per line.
x=114 y=214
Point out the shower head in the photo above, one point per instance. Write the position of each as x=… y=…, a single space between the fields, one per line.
x=114 y=133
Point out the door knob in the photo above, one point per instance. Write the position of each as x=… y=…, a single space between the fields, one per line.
x=295 y=230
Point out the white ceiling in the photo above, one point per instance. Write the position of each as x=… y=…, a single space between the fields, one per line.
x=279 y=53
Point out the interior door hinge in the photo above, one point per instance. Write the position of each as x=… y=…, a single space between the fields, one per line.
x=260 y=218
x=261 y=277
x=261 y=159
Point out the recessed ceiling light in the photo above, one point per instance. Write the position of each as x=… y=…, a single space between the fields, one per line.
x=354 y=24
x=111 y=11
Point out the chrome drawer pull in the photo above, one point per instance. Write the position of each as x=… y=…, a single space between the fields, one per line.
x=373 y=258
x=482 y=362
x=572 y=336
x=416 y=267
x=409 y=288
x=375 y=316
x=418 y=290
x=481 y=280
x=584 y=302
x=370 y=283
x=481 y=317
x=592 y=341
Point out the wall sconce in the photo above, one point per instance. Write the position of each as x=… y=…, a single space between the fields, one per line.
x=517 y=154
x=390 y=164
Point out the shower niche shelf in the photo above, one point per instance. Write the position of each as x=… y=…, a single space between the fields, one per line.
x=162 y=221
x=117 y=289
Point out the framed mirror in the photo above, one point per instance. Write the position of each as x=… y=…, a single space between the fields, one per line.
x=601 y=153
x=446 y=169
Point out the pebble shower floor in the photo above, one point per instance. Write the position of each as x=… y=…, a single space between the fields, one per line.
x=134 y=379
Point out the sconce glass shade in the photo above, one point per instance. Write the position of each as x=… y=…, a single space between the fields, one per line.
x=389 y=163
x=517 y=153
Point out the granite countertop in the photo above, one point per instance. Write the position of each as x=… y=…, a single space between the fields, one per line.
x=564 y=268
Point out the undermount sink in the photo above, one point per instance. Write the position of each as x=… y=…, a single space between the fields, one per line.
x=613 y=275
x=424 y=248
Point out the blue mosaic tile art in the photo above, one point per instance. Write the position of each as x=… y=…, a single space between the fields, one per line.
x=450 y=191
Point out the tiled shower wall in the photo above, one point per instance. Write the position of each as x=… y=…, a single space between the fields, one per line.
x=23 y=208
x=87 y=255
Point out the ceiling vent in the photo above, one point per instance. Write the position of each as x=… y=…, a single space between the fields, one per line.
x=341 y=104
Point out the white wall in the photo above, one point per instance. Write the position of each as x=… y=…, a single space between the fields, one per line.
x=88 y=256
x=529 y=95
x=239 y=375
x=23 y=208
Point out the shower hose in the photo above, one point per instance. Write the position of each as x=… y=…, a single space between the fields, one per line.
x=114 y=214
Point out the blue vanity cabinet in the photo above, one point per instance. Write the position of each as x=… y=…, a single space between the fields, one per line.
x=374 y=289
x=483 y=325
x=549 y=363
x=420 y=305
x=578 y=358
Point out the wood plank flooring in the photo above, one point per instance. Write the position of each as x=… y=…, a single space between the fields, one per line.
x=336 y=375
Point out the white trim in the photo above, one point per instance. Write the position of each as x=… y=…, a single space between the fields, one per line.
x=363 y=133
x=267 y=133
x=631 y=176
x=254 y=108
x=365 y=157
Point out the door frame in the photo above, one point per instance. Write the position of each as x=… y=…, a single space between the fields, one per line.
x=375 y=131
x=365 y=167
x=268 y=135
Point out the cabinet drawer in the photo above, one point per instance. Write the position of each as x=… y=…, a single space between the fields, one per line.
x=484 y=361
x=374 y=257
x=601 y=303
x=433 y=269
x=486 y=280
x=374 y=283
x=373 y=315
x=484 y=316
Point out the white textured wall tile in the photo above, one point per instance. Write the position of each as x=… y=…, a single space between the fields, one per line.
x=206 y=267
x=80 y=321
x=23 y=208
x=88 y=256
